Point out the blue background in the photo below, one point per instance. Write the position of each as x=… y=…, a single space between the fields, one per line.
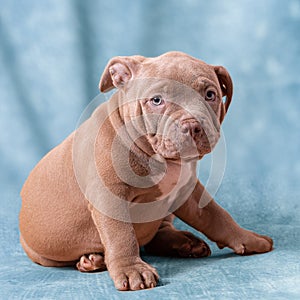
x=52 y=54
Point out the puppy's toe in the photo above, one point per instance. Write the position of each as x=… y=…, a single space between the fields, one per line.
x=194 y=247
x=250 y=243
x=137 y=276
x=91 y=262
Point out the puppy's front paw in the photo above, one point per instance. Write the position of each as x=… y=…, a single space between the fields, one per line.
x=137 y=275
x=249 y=242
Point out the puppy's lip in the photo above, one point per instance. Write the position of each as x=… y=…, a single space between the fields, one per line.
x=191 y=158
x=185 y=158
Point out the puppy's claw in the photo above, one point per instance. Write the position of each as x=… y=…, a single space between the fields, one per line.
x=240 y=250
x=125 y=284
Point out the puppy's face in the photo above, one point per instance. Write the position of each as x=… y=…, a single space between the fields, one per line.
x=179 y=100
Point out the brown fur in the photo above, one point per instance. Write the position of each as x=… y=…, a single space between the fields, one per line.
x=60 y=227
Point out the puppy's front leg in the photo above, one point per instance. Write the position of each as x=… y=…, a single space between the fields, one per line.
x=218 y=225
x=122 y=258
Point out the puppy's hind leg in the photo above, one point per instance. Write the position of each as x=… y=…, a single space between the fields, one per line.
x=37 y=258
x=169 y=241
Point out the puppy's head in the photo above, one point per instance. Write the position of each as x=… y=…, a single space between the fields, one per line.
x=178 y=98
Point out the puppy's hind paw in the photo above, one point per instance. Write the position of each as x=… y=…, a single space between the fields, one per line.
x=91 y=262
x=194 y=247
x=171 y=242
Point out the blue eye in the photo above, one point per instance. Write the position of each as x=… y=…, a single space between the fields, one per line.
x=210 y=96
x=157 y=100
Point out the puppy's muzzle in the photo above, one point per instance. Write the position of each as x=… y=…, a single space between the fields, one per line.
x=200 y=133
x=191 y=127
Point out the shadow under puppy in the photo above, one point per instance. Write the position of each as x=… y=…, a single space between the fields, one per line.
x=117 y=182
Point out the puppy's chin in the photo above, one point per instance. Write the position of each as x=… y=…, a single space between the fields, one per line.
x=171 y=155
x=195 y=155
x=179 y=151
x=166 y=150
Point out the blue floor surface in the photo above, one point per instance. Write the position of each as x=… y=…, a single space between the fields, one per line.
x=224 y=275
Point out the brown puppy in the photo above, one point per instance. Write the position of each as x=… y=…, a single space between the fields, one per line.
x=116 y=183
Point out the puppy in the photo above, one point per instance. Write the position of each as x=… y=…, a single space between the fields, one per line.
x=117 y=182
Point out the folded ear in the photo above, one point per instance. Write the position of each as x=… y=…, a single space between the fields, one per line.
x=226 y=87
x=118 y=71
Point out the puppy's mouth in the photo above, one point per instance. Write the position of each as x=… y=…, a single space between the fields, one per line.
x=185 y=148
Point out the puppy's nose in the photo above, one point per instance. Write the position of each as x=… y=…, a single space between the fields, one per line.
x=191 y=127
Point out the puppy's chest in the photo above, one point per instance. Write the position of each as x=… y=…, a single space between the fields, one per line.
x=178 y=182
x=175 y=181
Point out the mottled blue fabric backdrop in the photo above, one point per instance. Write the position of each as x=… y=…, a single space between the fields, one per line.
x=52 y=54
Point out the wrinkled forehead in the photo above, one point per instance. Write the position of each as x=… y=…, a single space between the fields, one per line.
x=183 y=69
x=170 y=90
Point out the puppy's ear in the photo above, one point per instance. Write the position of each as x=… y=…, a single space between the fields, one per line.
x=118 y=71
x=226 y=87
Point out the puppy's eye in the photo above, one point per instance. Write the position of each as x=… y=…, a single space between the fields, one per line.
x=210 y=96
x=157 y=100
